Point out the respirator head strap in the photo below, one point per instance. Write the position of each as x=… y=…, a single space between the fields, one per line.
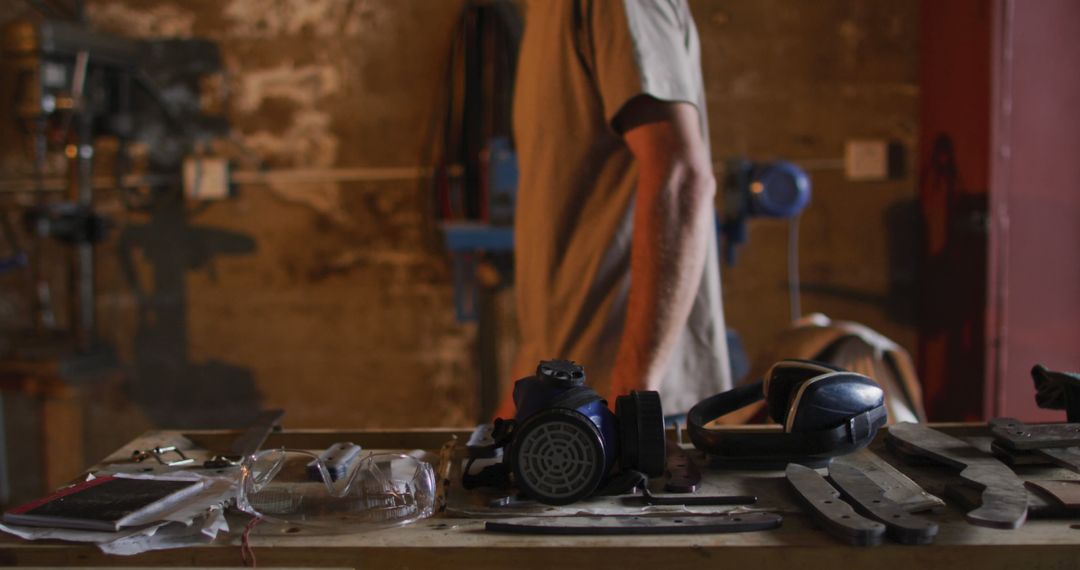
x=576 y=397
x=495 y=475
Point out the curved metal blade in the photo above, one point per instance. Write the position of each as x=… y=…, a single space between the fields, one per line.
x=1004 y=498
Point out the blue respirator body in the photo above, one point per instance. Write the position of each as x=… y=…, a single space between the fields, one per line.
x=564 y=442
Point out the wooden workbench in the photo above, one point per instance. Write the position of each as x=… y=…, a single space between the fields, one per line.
x=448 y=542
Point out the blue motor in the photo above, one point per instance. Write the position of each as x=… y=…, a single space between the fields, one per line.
x=759 y=189
x=564 y=442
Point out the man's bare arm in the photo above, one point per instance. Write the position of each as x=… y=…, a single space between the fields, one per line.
x=673 y=214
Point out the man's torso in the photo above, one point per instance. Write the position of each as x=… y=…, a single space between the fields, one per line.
x=573 y=220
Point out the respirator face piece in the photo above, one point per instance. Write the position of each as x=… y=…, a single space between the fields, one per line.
x=825 y=412
x=564 y=442
x=558 y=456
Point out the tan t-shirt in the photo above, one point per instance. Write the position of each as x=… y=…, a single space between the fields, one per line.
x=580 y=62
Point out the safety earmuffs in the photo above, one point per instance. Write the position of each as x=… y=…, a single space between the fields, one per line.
x=825 y=412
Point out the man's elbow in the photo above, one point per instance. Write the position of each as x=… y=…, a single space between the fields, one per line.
x=697 y=190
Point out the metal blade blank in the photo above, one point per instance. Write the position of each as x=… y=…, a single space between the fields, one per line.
x=836 y=516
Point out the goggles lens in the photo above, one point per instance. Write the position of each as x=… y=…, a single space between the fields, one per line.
x=295 y=487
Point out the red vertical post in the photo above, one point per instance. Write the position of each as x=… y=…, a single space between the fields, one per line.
x=1034 y=278
x=955 y=79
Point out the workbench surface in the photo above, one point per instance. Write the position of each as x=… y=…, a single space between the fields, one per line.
x=448 y=542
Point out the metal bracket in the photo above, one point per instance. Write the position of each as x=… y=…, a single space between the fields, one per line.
x=682 y=499
x=158 y=453
x=683 y=475
x=249 y=442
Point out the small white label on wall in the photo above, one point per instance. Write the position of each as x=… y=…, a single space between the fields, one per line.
x=206 y=178
x=866 y=159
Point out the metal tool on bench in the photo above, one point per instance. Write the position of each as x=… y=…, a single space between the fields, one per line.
x=1004 y=499
x=834 y=515
x=683 y=475
x=1018 y=443
x=160 y=454
x=247 y=443
x=897 y=486
x=1015 y=434
x=607 y=525
x=825 y=412
x=870 y=500
x=1067 y=457
x=707 y=501
x=250 y=441
x=628 y=480
x=682 y=478
x=1065 y=494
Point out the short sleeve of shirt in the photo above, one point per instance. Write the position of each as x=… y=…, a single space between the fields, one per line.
x=640 y=47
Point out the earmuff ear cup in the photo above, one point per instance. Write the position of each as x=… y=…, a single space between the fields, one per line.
x=783 y=381
x=827 y=412
x=641 y=432
x=830 y=400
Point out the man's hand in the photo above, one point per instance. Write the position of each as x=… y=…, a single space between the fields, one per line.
x=673 y=214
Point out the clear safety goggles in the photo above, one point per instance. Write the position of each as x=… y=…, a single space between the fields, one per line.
x=381 y=489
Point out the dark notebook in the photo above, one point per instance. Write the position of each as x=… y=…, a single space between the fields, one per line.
x=104 y=503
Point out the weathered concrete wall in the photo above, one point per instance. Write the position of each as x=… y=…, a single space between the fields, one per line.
x=329 y=299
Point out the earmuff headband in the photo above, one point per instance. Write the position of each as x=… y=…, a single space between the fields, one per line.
x=774 y=449
x=803 y=364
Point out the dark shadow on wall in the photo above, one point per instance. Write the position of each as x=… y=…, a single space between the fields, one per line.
x=172 y=390
x=902 y=223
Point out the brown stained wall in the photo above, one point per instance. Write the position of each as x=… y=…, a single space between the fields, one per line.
x=795 y=80
x=342 y=312
x=327 y=299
